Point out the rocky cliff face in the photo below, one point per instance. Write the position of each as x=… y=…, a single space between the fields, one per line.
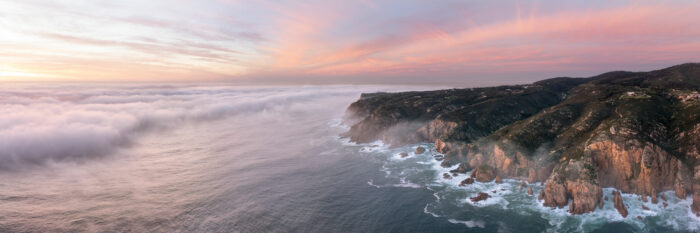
x=637 y=132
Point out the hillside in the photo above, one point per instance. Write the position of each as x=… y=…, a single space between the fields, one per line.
x=638 y=132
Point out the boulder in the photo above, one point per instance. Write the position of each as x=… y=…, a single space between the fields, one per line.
x=463 y=168
x=420 y=150
x=403 y=154
x=619 y=205
x=480 y=197
x=484 y=173
x=466 y=181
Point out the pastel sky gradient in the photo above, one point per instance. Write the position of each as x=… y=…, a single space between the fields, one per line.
x=341 y=41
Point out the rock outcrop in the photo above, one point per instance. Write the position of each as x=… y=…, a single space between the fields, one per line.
x=484 y=173
x=466 y=181
x=638 y=132
x=480 y=197
x=619 y=205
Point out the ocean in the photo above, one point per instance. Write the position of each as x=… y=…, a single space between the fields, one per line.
x=228 y=158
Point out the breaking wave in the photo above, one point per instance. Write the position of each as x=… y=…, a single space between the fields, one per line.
x=451 y=200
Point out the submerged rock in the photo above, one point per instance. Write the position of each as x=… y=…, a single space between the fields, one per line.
x=439 y=157
x=619 y=205
x=645 y=207
x=446 y=176
x=480 y=197
x=420 y=150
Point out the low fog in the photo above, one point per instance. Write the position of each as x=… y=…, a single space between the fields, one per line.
x=74 y=122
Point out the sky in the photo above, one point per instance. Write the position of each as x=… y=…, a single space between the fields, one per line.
x=342 y=41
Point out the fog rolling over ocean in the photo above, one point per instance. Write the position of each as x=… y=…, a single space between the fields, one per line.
x=204 y=158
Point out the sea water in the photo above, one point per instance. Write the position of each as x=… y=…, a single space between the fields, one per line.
x=226 y=158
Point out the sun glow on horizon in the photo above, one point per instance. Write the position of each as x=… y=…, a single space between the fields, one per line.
x=343 y=41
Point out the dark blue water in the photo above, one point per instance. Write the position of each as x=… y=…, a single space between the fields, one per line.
x=274 y=166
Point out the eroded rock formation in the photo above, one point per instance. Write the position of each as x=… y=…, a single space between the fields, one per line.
x=638 y=132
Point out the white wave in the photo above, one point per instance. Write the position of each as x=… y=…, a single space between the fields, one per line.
x=425 y=210
x=371 y=183
x=676 y=215
x=406 y=184
x=470 y=223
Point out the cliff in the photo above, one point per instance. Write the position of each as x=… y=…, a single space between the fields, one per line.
x=638 y=132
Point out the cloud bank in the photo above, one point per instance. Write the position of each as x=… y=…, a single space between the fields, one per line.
x=65 y=122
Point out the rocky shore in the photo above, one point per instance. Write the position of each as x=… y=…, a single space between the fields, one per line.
x=638 y=132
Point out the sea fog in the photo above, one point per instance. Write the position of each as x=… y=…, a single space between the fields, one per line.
x=226 y=158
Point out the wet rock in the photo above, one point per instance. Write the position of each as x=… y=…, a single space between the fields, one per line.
x=663 y=197
x=420 y=150
x=654 y=198
x=645 y=207
x=439 y=157
x=494 y=191
x=480 y=197
x=644 y=198
x=498 y=179
x=606 y=198
x=529 y=190
x=619 y=205
x=600 y=204
x=454 y=174
x=466 y=181
x=574 y=181
x=403 y=154
x=522 y=185
x=541 y=196
x=665 y=204
x=639 y=217
x=484 y=173
x=446 y=176
x=695 y=206
x=463 y=168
